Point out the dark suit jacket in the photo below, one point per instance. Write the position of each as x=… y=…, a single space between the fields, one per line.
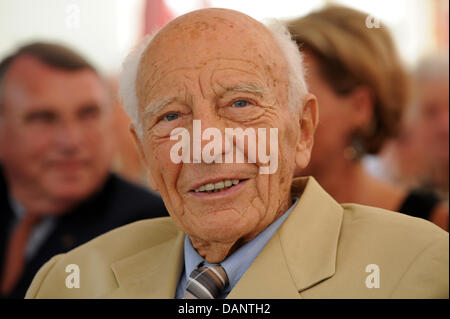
x=118 y=203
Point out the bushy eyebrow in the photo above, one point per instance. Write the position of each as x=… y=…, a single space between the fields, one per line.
x=154 y=107
x=250 y=88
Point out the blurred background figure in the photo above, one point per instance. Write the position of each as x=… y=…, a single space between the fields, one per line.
x=362 y=89
x=419 y=156
x=432 y=113
x=56 y=147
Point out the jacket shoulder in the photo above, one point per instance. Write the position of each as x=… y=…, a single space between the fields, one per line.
x=389 y=226
x=94 y=259
x=410 y=254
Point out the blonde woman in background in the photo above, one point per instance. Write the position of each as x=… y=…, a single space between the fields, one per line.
x=362 y=90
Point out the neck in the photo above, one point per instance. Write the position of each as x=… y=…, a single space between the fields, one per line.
x=216 y=252
x=39 y=204
x=342 y=180
x=213 y=252
x=352 y=184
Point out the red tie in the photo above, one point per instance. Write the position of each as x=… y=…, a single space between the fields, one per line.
x=15 y=254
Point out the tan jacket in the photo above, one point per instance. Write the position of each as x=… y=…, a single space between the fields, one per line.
x=321 y=251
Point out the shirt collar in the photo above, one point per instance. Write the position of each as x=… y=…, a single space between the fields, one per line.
x=17 y=208
x=236 y=264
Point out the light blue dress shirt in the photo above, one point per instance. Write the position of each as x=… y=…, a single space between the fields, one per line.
x=236 y=264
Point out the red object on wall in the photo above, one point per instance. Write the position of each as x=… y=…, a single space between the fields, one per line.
x=157 y=14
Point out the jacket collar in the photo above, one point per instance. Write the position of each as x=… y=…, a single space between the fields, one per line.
x=152 y=273
x=301 y=254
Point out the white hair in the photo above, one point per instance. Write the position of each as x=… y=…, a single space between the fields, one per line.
x=127 y=81
x=294 y=60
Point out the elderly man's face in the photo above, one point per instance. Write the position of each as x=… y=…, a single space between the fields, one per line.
x=54 y=134
x=227 y=72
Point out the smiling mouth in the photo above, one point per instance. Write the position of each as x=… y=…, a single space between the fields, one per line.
x=218 y=187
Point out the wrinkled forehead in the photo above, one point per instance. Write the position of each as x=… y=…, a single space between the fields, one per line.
x=199 y=38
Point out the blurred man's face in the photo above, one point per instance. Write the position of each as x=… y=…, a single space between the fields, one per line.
x=229 y=75
x=54 y=133
x=434 y=118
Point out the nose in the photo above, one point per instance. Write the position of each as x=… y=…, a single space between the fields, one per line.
x=208 y=130
x=69 y=137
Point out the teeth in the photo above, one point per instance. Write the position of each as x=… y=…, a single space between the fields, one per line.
x=218 y=186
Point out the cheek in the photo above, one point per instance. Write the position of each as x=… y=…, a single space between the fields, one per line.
x=328 y=109
x=99 y=143
x=98 y=131
x=287 y=149
x=328 y=103
x=334 y=124
x=33 y=143
x=163 y=169
x=26 y=151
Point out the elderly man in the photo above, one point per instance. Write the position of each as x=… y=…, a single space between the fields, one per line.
x=237 y=230
x=56 y=189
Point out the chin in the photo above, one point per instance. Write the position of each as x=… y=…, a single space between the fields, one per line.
x=72 y=192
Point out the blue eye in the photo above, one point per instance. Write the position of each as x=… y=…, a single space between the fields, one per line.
x=240 y=103
x=171 y=116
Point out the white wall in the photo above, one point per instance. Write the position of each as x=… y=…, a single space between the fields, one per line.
x=105 y=30
x=101 y=30
x=409 y=20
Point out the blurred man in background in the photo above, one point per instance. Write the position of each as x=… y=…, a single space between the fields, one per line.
x=418 y=158
x=432 y=82
x=425 y=133
x=56 y=188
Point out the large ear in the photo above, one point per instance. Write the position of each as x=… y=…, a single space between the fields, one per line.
x=140 y=148
x=309 y=118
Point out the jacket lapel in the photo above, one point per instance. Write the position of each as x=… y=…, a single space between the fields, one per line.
x=267 y=277
x=309 y=238
x=303 y=251
x=152 y=273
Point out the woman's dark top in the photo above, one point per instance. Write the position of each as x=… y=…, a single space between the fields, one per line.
x=420 y=203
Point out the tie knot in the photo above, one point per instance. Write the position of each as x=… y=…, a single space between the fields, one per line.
x=206 y=282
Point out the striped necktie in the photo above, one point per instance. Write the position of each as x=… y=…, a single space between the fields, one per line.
x=206 y=283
